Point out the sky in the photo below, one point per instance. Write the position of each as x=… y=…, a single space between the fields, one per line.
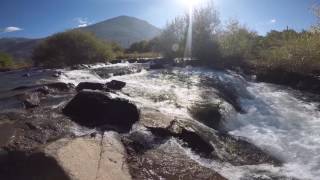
x=41 y=18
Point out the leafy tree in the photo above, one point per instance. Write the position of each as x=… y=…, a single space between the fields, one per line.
x=72 y=47
x=206 y=24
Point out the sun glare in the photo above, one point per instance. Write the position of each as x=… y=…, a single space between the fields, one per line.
x=190 y=3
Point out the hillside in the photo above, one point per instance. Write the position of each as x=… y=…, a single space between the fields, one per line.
x=124 y=30
x=20 y=48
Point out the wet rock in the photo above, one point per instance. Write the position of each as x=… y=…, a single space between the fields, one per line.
x=55 y=86
x=26 y=75
x=89 y=86
x=208 y=114
x=43 y=90
x=94 y=109
x=294 y=80
x=190 y=138
x=115 y=85
x=212 y=144
x=157 y=66
x=83 y=158
x=165 y=162
x=107 y=72
x=57 y=74
x=60 y=86
x=30 y=100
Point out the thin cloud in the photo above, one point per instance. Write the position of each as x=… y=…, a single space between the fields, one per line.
x=273 y=21
x=11 y=29
x=82 y=22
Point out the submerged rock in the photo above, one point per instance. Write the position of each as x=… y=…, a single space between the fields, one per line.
x=156 y=66
x=115 y=85
x=90 y=86
x=30 y=100
x=55 y=86
x=94 y=109
x=60 y=86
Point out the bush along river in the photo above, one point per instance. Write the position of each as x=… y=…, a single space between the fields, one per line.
x=154 y=120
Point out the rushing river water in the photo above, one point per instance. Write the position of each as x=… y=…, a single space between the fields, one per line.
x=281 y=121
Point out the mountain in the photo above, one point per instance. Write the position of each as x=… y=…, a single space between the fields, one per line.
x=124 y=30
x=20 y=48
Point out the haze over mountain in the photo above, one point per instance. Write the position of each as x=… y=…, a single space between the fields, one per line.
x=20 y=48
x=124 y=30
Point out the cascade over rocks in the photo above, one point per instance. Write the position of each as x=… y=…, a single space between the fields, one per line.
x=209 y=143
x=93 y=109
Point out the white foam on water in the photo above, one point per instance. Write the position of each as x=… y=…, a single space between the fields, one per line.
x=275 y=119
x=77 y=76
x=283 y=125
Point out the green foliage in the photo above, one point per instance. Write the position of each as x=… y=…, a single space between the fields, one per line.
x=171 y=42
x=6 y=61
x=205 y=25
x=297 y=52
x=73 y=47
x=140 y=47
x=237 y=41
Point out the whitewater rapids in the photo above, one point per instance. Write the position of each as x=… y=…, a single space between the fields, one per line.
x=281 y=121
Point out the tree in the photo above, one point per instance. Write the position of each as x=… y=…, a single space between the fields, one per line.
x=205 y=28
x=70 y=48
x=205 y=25
x=171 y=42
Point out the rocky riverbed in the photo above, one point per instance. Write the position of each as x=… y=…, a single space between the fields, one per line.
x=151 y=121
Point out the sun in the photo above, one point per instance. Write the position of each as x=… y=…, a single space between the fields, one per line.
x=190 y=3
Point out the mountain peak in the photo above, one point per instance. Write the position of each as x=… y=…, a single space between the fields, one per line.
x=124 y=30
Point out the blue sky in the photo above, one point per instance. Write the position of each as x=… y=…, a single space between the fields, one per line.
x=40 y=18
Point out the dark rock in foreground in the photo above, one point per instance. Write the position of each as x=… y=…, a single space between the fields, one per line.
x=94 y=109
x=115 y=85
x=90 y=86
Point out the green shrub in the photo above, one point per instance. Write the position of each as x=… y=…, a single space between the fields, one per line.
x=72 y=47
x=6 y=61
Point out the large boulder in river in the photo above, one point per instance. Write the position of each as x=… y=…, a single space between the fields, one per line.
x=90 y=86
x=93 y=109
x=115 y=85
